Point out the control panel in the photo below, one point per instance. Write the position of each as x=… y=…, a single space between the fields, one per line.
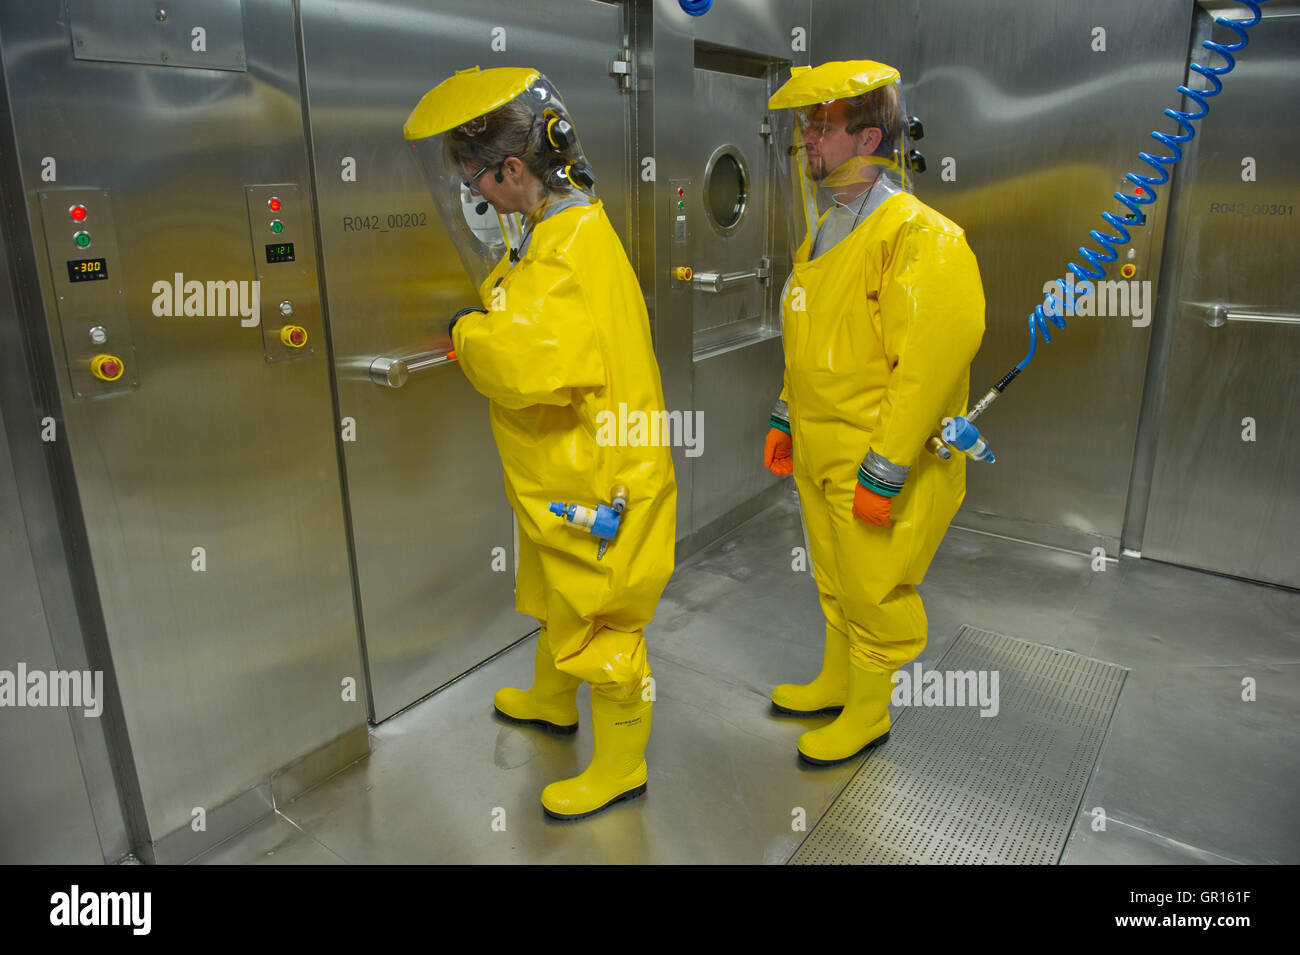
x=81 y=242
x=679 y=247
x=279 y=222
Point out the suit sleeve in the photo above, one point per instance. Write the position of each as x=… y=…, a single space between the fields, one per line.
x=537 y=344
x=780 y=417
x=932 y=319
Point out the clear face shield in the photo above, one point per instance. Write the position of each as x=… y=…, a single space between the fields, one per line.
x=833 y=156
x=463 y=131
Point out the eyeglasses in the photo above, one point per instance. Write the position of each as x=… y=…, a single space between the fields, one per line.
x=474 y=178
x=813 y=121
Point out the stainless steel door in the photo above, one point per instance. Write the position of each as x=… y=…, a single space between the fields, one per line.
x=732 y=232
x=717 y=339
x=1224 y=495
x=432 y=532
x=735 y=359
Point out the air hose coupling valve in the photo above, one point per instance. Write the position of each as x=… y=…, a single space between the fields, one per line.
x=601 y=521
x=965 y=437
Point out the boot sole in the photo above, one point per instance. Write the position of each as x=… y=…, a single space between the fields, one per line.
x=832 y=762
x=555 y=729
x=779 y=710
x=630 y=794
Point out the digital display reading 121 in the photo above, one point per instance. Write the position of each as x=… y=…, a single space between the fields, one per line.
x=87 y=270
x=279 y=252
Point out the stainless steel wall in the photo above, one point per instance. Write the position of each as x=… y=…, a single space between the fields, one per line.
x=61 y=790
x=1041 y=128
x=212 y=439
x=43 y=802
x=432 y=529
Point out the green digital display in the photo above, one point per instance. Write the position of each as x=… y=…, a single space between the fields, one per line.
x=279 y=252
x=87 y=270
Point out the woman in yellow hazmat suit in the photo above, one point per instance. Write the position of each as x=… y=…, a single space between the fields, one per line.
x=559 y=346
x=883 y=315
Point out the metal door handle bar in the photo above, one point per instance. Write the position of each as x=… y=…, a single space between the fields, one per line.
x=718 y=281
x=394 y=372
x=1221 y=315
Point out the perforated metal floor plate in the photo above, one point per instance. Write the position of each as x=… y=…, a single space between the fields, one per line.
x=952 y=786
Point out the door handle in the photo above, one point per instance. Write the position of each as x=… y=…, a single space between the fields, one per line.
x=1220 y=315
x=719 y=281
x=394 y=372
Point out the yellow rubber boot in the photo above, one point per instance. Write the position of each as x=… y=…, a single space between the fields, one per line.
x=617 y=770
x=827 y=692
x=863 y=724
x=550 y=703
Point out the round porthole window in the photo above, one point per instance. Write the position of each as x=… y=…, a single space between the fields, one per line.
x=726 y=189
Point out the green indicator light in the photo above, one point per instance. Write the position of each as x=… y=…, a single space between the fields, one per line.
x=681 y=205
x=277 y=226
x=83 y=239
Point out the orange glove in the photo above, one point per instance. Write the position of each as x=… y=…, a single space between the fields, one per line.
x=777 y=452
x=871 y=507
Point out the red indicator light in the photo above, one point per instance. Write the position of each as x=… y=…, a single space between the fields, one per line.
x=274 y=204
x=681 y=192
x=78 y=213
x=1141 y=191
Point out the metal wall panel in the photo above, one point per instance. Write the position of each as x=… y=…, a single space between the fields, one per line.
x=1041 y=128
x=424 y=479
x=46 y=827
x=228 y=674
x=45 y=814
x=1224 y=498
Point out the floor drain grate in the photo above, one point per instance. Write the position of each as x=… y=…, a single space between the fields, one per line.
x=952 y=786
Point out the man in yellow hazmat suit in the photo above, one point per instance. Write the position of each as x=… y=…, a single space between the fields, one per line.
x=561 y=341
x=883 y=315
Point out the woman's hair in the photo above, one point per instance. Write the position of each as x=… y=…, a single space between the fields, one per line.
x=510 y=130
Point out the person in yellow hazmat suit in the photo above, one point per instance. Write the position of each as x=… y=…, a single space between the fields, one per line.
x=883 y=314
x=560 y=343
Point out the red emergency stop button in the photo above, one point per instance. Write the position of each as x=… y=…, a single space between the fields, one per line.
x=295 y=336
x=106 y=367
x=1128 y=270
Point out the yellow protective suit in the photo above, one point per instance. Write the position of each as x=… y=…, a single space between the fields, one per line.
x=880 y=331
x=564 y=343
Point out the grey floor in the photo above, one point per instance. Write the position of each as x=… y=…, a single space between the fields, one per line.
x=1190 y=773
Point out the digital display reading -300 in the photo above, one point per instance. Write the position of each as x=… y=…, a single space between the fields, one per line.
x=279 y=252
x=87 y=270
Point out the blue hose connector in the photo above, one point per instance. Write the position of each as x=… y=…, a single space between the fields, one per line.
x=602 y=521
x=965 y=437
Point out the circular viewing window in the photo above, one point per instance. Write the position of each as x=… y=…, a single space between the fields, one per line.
x=726 y=189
